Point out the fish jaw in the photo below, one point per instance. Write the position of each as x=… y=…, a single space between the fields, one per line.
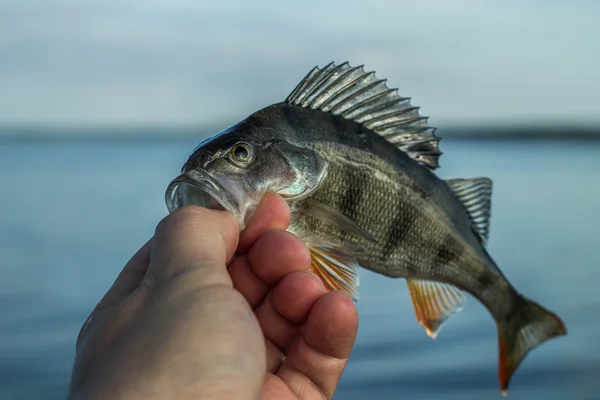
x=200 y=189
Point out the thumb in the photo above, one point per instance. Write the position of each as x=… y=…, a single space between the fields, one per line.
x=193 y=243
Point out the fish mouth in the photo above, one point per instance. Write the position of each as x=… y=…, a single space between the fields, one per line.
x=200 y=189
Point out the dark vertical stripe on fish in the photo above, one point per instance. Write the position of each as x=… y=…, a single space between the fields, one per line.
x=487 y=279
x=400 y=228
x=351 y=199
x=340 y=127
x=448 y=252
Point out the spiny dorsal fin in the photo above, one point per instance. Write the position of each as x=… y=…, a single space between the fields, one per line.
x=359 y=96
x=476 y=197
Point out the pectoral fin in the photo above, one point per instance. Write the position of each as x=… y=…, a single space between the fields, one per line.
x=328 y=214
x=434 y=303
x=337 y=270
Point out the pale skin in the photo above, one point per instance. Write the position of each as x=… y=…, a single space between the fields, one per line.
x=200 y=312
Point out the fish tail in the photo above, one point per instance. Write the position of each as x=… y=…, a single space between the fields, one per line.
x=526 y=327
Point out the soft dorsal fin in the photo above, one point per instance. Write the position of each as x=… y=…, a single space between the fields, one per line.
x=476 y=197
x=359 y=96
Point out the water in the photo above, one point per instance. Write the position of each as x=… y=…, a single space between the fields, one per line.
x=72 y=215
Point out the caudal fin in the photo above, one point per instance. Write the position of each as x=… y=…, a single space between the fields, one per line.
x=528 y=327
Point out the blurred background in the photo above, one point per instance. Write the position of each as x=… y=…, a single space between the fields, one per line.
x=101 y=102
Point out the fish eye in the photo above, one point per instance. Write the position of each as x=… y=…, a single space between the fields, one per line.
x=241 y=153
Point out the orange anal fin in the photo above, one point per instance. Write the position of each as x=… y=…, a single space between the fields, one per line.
x=434 y=303
x=337 y=270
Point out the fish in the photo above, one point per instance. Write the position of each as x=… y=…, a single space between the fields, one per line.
x=356 y=162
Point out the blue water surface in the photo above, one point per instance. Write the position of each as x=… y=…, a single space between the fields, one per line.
x=71 y=215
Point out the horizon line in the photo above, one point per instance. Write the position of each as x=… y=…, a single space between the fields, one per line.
x=163 y=132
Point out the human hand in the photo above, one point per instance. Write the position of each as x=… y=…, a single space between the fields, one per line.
x=173 y=326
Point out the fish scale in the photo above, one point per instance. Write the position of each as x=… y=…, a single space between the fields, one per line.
x=356 y=163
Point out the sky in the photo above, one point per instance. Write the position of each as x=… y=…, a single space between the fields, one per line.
x=180 y=62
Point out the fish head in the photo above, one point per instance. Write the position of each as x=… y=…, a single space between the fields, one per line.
x=234 y=169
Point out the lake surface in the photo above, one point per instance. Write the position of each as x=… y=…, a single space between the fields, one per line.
x=72 y=214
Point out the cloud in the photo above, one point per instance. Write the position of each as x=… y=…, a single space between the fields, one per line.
x=193 y=62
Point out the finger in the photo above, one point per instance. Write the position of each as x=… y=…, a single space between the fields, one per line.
x=317 y=360
x=274 y=357
x=285 y=310
x=277 y=254
x=193 y=241
x=272 y=213
x=246 y=282
x=274 y=255
x=275 y=388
